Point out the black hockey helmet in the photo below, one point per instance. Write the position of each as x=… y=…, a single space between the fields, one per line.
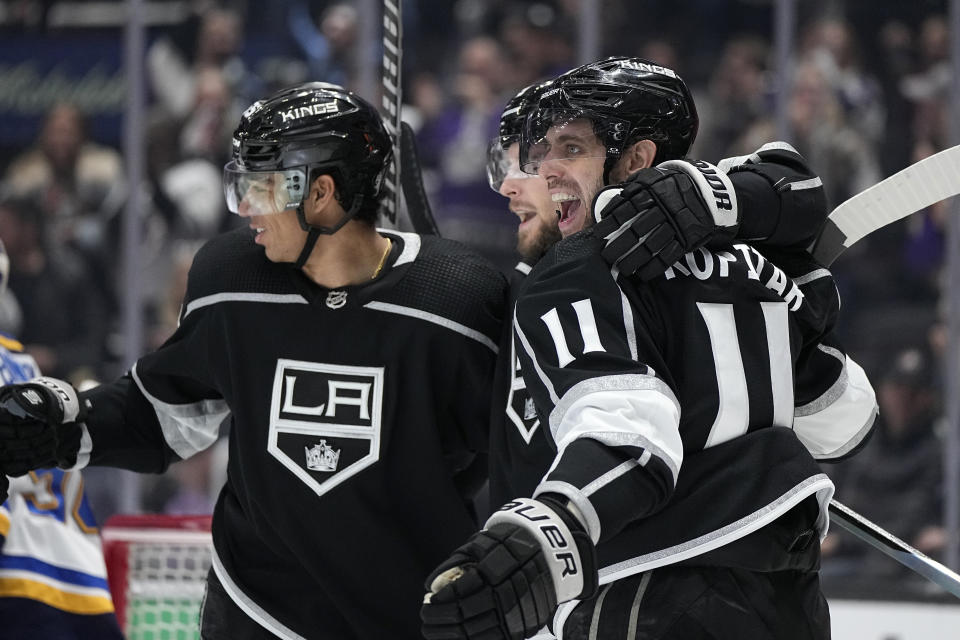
x=511 y=127
x=627 y=99
x=283 y=142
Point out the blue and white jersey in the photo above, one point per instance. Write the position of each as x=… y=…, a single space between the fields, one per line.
x=50 y=549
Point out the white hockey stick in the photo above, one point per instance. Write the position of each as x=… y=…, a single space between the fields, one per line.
x=918 y=186
x=894 y=547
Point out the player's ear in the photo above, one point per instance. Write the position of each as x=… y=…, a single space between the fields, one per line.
x=321 y=193
x=639 y=155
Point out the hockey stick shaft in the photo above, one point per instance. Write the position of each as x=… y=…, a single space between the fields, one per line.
x=913 y=189
x=894 y=547
x=392 y=98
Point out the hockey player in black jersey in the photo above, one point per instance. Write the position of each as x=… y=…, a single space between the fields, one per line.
x=682 y=501
x=352 y=365
x=780 y=203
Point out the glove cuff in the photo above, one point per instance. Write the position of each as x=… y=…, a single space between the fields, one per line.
x=63 y=406
x=571 y=560
x=715 y=188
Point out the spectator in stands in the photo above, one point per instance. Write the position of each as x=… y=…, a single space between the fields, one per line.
x=453 y=147
x=65 y=320
x=734 y=98
x=208 y=39
x=328 y=44
x=538 y=38
x=831 y=44
x=896 y=480
x=77 y=186
x=821 y=133
x=185 y=158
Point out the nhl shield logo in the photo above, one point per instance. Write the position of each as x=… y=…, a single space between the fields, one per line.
x=325 y=420
x=336 y=299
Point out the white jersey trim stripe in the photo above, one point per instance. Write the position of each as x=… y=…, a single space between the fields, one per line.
x=554 y=398
x=628 y=327
x=411 y=245
x=579 y=500
x=819 y=484
x=251 y=608
x=187 y=428
x=622 y=410
x=816 y=274
x=271 y=298
x=801 y=185
x=837 y=389
x=838 y=427
x=410 y=312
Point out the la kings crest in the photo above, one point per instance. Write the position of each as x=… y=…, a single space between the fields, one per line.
x=521 y=411
x=325 y=420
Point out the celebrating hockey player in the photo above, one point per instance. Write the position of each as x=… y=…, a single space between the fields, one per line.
x=682 y=501
x=780 y=203
x=352 y=366
x=53 y=580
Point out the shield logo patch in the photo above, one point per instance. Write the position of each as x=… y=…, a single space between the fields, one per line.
x=325 y=420
x=520 y=408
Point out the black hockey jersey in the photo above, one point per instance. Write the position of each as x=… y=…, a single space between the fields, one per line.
x=782 y=205
x=520 y=453
x=689 y=411
x=349 y=411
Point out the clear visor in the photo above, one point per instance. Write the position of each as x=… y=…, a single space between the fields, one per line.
x=503 y=163
x=564 y=135
x=257 y=193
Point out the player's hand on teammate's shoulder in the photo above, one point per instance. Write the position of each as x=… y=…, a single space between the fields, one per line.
x=507 y=580
x=38 y=425
x=660 y=213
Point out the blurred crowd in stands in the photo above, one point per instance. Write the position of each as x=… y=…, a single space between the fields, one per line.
x=867 y=94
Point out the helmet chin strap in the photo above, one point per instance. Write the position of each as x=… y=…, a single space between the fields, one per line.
x=314 y=232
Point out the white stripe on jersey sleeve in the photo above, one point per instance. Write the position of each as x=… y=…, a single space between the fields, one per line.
x=216 y=298
x=187 y=428
x=410 y=312
x=622 y=410
x=86 y=446
x=832 y=429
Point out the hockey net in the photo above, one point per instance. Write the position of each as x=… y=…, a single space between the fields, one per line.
x=157 y=568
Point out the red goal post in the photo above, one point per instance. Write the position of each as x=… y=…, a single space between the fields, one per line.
x=156 y=568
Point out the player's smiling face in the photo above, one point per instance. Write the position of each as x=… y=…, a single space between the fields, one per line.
x=571 y=159
x=530 y=201
x=280 y=235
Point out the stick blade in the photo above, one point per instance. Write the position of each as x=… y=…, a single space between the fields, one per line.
x=920 y=185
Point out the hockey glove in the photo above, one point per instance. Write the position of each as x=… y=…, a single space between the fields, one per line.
x=661 y=213
x=506 y=582
x=38 y=425
x=4 y=487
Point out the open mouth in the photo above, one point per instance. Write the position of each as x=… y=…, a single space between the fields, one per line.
x=568 y=207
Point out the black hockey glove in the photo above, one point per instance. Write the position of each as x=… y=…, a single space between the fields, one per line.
x=661 y=213
x=38 y=425
x=4 y=487
x=506 y=582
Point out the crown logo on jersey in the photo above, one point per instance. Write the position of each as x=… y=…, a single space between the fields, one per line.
x=336 y=299
x=529 y=410
x=322 y=457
